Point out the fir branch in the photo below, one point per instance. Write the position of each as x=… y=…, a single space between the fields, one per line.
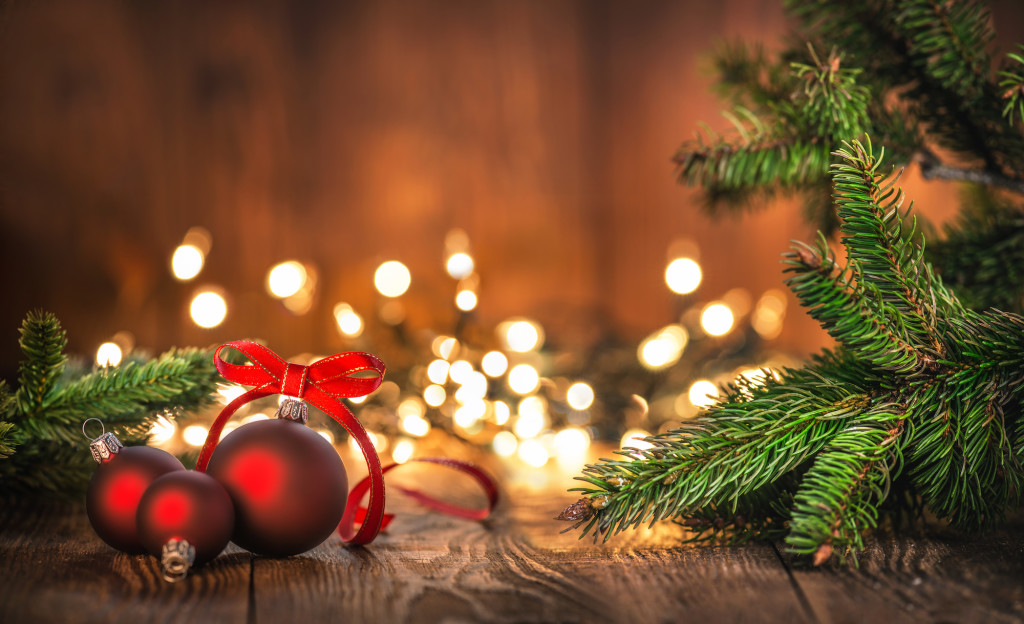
x=1012 y=84
x=839 y=496
x=42 y=344
x=6 y=440
x=128 y=397
x=826 y=441
x=833 y=300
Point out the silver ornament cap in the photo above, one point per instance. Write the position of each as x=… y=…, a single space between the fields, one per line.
x=293 y=409
x=105 y=447
x=176 y=558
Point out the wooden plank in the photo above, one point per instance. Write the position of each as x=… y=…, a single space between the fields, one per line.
x=517 y=567
x=53 y=568
x=939 y=577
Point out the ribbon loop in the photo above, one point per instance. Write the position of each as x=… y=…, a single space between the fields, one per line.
x=351 y=374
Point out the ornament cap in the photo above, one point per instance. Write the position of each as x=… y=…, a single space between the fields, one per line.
x=293 y=409
x=176 y=559
x=104 y=447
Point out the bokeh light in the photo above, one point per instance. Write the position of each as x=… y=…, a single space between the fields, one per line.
x=505 y=443
x=465 y=300
x=162 y=430
x=437 y=371
x=108 y=354
x=460 y=371
x=434 y=395
x=703 y=393
x=403 y=450
x=634 y=438
x=663 y=348
x=186 y=262
x=208 y=309
x=459 y=265
x=683 y=276
x=533 y=453
x=571 y=444
x=580 y=395
x=392 y=279
x=349 y=322
x=521 y=335
x=286 y=279
x=195 y=435
x=494 y=363
x=523 y=379
x=716 y=319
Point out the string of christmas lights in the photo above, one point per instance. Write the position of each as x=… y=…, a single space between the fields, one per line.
x=506 y=390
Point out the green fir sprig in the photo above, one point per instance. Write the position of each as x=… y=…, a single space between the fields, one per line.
x=42 y=447
x=919 y=404
x=916 y=75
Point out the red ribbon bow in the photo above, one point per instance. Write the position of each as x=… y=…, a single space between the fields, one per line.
x=322 y=384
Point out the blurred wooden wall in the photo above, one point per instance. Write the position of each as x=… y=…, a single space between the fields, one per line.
x=347 y=133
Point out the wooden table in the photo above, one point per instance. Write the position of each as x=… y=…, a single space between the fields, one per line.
x=516 y=567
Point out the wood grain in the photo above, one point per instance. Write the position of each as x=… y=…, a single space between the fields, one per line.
x=515 y=567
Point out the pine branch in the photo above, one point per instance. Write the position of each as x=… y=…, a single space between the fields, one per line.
x=1012 y=84
x=42 y=344
x=917 y=378
x=128 y=397
x=833 y=299
x=839 y=496
x=6 y=440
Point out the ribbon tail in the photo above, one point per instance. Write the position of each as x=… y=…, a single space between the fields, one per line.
x=483 y=479
x=213 y=437
x=374 y=482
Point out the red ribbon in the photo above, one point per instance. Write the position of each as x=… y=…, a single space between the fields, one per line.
x=322 y=384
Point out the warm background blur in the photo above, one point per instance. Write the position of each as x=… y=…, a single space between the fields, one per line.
x=343 y=134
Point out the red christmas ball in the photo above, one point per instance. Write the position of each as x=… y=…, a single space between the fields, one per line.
x=185 y=518
x=116 y=488
x=287 y=483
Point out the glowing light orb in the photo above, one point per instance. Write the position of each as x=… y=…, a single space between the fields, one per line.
x=208 y=309
x=392 y=279
x=186 y=262
x=523 y=379
x=533 y=453
x=634 y=438
x=703 y=393
x=108 y=354
x=505 y=443
x=494 y=363
x=349 y=322
x=195 y=435
x=286 y=279
x=683 y=276
x=580 y=395
x=403 y=451
x=664 y=348
x=465 y=300
x=459 y=265
x=437 y=371
x=716 y=319
x=522 y=336
x=434 y=395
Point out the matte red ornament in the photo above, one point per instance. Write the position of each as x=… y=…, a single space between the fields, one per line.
x=117 y=486
x=287 y=483
x=185 y=518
